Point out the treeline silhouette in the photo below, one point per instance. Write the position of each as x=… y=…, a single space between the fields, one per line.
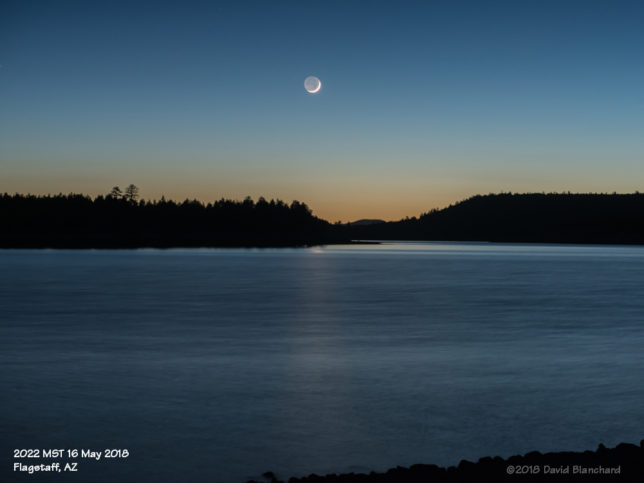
x=534 y=217
x=120 y=220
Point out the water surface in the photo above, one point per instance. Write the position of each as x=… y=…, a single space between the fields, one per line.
x=218 y=365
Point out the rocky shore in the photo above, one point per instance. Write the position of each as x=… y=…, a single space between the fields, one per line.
x=625 y=462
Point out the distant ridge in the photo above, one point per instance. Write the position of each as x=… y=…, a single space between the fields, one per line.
x=365 y=221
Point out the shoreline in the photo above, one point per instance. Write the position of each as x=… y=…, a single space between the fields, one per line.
x=251 y=245
x=625 y=462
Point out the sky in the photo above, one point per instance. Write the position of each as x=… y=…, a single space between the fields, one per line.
x=422 y=104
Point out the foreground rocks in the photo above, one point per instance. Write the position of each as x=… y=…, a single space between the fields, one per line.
x=622 y=463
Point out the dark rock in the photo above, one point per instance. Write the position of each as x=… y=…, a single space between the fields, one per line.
x=626 y=462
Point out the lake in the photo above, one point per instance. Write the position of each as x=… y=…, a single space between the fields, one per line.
x=220 y=364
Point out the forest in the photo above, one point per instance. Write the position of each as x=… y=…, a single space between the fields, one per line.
x=121 y=220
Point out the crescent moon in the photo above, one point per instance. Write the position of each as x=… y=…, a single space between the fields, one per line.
x=311 y=81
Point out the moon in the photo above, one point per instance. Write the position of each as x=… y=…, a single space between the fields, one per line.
x=312 y=84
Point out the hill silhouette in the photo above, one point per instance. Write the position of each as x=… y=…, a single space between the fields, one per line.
x=534 y=217
x=365 y=221
x=119 y=220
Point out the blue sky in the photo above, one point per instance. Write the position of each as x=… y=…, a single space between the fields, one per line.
x=422 y=103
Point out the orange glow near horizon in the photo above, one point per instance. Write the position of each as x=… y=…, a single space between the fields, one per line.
x=348 y=195
x=332 y=205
